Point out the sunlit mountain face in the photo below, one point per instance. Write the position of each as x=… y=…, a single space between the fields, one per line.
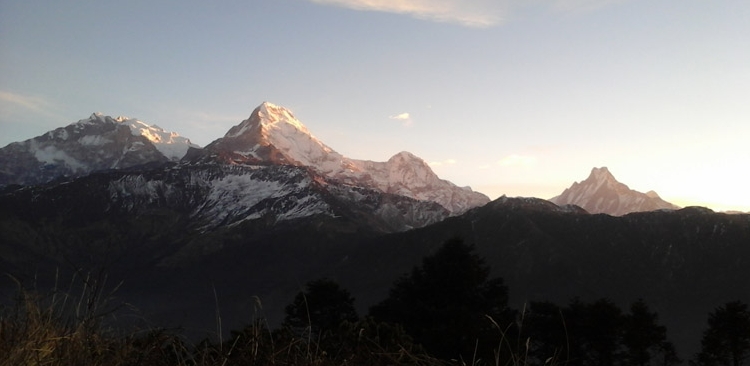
x=93 y=144
x=602 y=193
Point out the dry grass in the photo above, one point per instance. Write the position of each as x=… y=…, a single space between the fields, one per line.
x=62 y=329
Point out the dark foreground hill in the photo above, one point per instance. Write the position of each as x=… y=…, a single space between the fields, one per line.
x=683 y=263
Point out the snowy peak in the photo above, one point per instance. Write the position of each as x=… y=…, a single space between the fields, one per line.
x=405 y=168
x=273 y=116
x=170 y=144
x=272 y=135
x=96 y=143
x=602 y=193
x=266 y=118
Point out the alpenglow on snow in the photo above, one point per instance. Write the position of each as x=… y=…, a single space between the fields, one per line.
x=273 y=135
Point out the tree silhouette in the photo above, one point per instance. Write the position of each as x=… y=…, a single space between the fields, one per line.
x=727 y=339
x=594 y=331
x=545 y=327
x=445 y=304
x=323 y=306
x=644 y=339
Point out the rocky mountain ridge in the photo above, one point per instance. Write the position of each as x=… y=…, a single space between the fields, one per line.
x=602 y=193
x=93 y=144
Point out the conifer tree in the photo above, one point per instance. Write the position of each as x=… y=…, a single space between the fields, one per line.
x=324 y=305
x=644 y=339
x=727 y=339
x=447 y=302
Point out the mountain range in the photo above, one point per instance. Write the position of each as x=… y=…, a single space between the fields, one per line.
x=189 y=231
x=271 y=136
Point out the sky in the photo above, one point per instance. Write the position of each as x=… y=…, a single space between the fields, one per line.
x=514 y=97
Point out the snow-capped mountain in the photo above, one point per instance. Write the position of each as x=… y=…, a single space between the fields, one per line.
x=226 y=195
x=602 y=193
x=272 y=135
x=97 y=143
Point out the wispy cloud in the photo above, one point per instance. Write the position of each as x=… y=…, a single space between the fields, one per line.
x=579 y=5
x=471 y=13
x=447 y=162
x=15 y=104
x=36 y=104
x=404 y=118
x=517 y=160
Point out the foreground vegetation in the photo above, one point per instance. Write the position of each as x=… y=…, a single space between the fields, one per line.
x=35 y=334
x=444 y=312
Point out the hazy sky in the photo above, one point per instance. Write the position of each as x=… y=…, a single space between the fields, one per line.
x=516 y=97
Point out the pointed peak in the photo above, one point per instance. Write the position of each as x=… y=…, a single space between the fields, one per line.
x=602 y=193
x=267 y=117
x=275 y=113
x=266 y=106
x=601 y=174
x=274 y=116
x=601 y=170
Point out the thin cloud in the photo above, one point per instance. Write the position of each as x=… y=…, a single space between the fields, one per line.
x=475 y=13
x=404 y=118
x=401 y=117
x=517 y=160
x=579 y=5
x=468 y=13
x=16 y=104
x=35 y=104
x=447 y=162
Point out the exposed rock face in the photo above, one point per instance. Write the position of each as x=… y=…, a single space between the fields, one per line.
x=602 y=193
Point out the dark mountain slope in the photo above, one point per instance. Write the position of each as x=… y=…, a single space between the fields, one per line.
x=683 y=263
x=175 y=268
